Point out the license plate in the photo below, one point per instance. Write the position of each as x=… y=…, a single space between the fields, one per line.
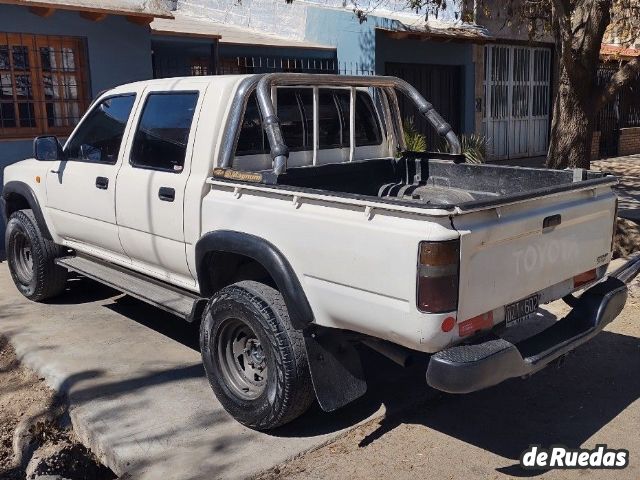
x=519 y=311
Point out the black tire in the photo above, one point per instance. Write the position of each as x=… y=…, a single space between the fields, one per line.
x=35 y=273
x=260 y=399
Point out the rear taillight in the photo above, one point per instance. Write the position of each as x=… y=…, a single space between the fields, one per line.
x=438 y=270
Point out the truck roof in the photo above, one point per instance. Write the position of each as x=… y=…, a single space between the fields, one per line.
x=173 y=82
x=181 y=83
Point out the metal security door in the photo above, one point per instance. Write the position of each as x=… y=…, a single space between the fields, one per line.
x=517 y=98
x=610 y=116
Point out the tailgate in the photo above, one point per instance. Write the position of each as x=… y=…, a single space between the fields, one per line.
x=506 y=254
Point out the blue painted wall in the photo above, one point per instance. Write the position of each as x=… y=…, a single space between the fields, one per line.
x=354 y=41
x=436 y=53
x=118 y=52
x=360 y=44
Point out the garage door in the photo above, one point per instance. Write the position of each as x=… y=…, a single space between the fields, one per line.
x=517 y=100
x=439 y=84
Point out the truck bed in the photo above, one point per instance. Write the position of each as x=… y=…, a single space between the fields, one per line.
x=432 y=181
x=522 y=232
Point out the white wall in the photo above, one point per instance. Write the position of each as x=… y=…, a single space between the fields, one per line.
x=289 y=20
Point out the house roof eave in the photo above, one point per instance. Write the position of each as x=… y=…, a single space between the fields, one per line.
x=148 y=10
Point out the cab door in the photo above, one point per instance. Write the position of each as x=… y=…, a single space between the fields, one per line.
x=151 y=184
x=81 y=188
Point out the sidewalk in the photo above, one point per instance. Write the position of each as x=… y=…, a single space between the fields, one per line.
x=138 y=396
x=627 y=169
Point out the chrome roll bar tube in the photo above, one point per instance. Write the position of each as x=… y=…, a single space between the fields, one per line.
x=388 y=85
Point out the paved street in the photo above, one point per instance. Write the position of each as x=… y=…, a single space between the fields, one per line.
x=138 y=395
x=139 y=400
x=627 y=169
x=593 y=399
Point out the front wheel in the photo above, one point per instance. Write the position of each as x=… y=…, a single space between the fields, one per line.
x=31 y=258
x=255 y=360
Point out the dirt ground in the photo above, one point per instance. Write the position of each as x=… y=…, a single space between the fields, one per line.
x=593 y=399
x=48 y=448
x=627 y=239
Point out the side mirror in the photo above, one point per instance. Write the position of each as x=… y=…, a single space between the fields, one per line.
x=47 y=148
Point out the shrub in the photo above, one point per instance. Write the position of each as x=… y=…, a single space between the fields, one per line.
x=416 y=142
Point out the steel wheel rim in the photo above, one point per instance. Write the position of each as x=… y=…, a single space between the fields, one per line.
x=23 y=258
x=241 y=358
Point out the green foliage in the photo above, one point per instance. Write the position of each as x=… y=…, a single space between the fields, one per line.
x=416 y=142
x=474 y=147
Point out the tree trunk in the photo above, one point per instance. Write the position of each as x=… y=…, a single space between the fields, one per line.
x=573 y=123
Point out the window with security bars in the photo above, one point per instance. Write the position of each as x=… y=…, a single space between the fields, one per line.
x=43 y=84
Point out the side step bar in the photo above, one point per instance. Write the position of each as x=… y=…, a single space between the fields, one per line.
x=182 y=303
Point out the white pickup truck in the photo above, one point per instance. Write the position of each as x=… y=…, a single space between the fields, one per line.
x=283 y=212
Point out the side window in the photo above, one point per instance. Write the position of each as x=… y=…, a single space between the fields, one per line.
x=99 y=136
x=160 y=141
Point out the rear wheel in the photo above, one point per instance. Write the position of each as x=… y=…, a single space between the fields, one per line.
x=255 y=360
x=31 y=258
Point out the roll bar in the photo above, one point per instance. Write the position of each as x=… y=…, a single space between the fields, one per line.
x=388 y=86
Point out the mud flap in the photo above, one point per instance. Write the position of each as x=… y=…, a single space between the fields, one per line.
x=336 y=370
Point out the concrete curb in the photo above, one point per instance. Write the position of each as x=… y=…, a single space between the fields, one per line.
x=138 y=398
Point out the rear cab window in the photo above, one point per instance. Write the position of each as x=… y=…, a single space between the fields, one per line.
x=294 y=108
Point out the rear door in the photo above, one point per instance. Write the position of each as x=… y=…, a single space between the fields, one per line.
x=152 y=180
x=507 y=254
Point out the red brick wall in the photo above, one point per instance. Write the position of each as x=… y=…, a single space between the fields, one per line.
x=629 y=142
x=595 y=146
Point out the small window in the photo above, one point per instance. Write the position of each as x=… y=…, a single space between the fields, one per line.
x=367 y=126
x=99 y=136
x=160 y=142
x=329 y=122
x=295 y=112
x=251 y=140
x=291 y=115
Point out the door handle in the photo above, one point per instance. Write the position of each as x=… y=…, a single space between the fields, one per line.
x=102 y=183
x=167 y=194
x=552 y=221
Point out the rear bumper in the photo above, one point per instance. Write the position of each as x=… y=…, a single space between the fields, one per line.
x=467 y=368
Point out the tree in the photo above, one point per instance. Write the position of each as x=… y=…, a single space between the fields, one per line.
x=577 y=28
